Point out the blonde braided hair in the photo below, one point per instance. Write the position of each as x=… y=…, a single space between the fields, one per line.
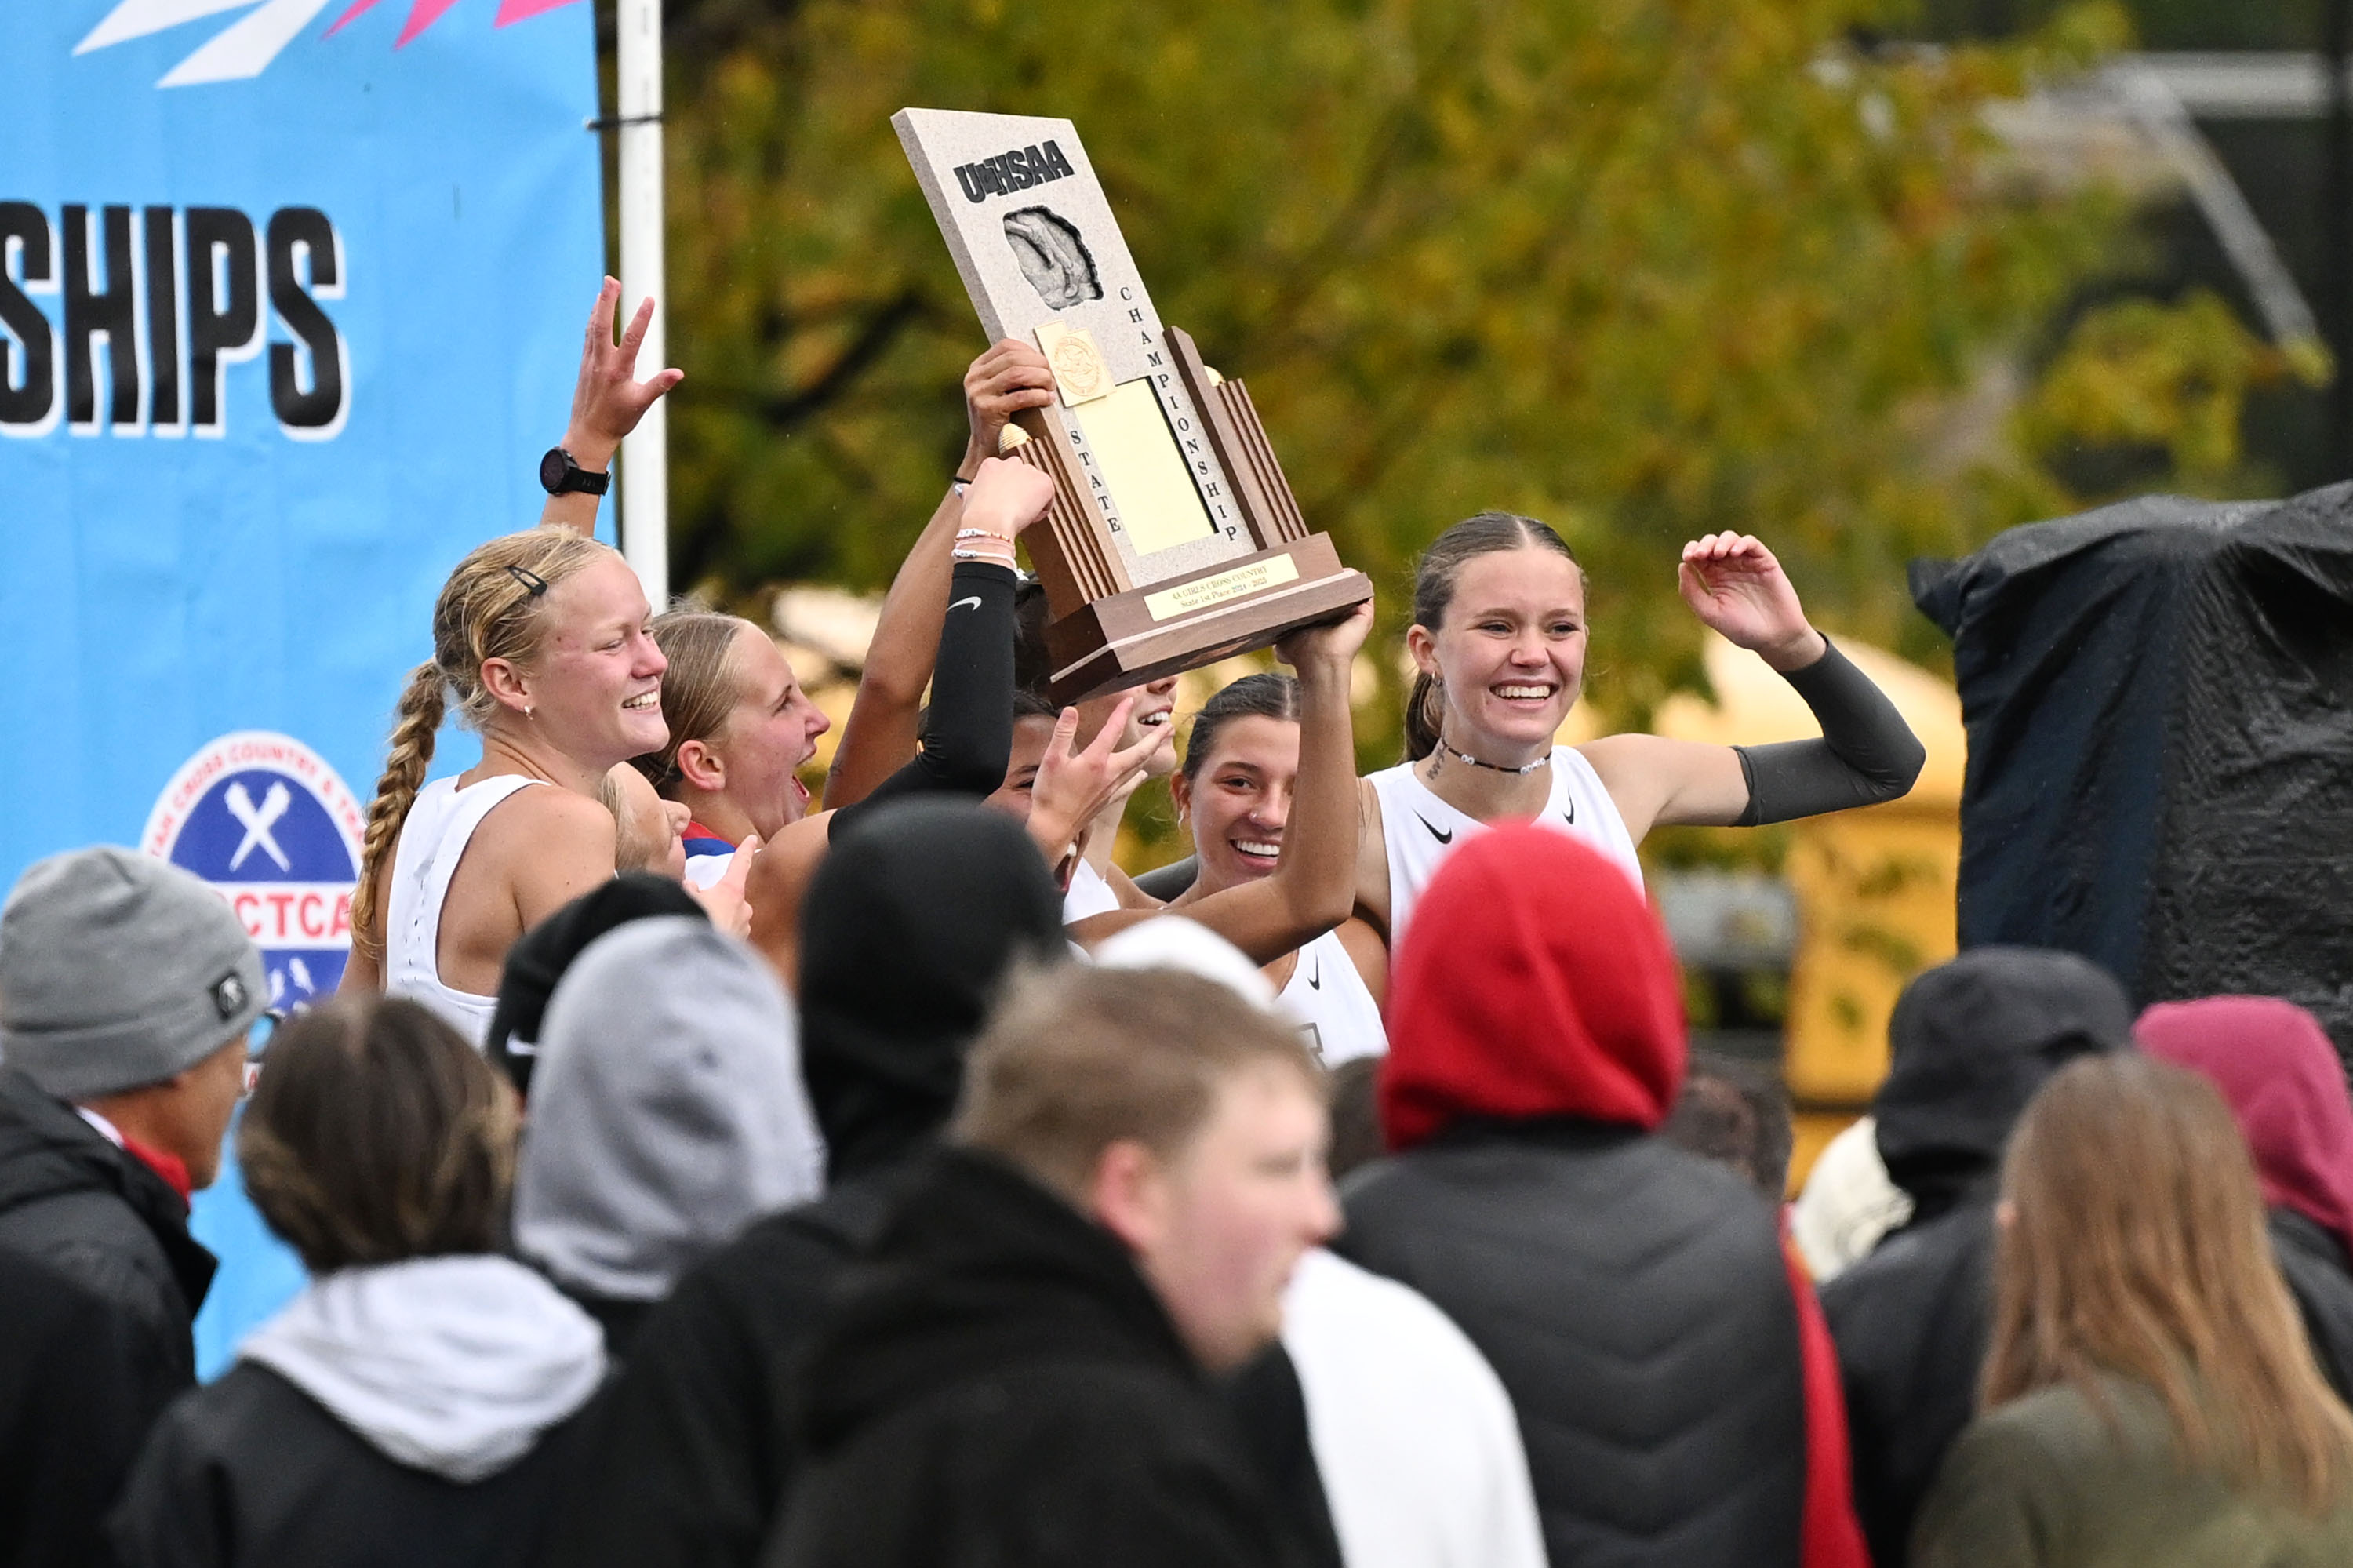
x=492 y=607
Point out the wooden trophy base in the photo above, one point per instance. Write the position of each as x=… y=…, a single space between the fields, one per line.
x=1143 y=634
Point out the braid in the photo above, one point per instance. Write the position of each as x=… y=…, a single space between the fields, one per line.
x=416 y=720
x=491 y=607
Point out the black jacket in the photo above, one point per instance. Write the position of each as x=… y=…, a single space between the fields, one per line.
x=689 y=1457
x=75 y=1208
x=1635 y=1302
x=2314 y=1264
x=248 y=1472
x=1911 y=1323
x=999 y=1385
x=909 y=926
x=1971 y=1041
x=72 y=1409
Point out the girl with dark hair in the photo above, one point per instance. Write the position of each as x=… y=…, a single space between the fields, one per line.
x=423 y=1398
x=1234 y=789
x=2149 y=1396
x=1498 y=639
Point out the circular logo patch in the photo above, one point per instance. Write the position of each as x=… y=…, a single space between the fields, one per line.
x=265 y=821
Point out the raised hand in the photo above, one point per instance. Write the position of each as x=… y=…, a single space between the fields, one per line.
x=1075 y=783
x=1006 y=497
x=723 y=900
x=1734 y=585
x=608 y=399
x=1009 y=376
x=1329 y=642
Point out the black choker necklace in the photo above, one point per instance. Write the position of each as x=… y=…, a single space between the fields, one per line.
x=1462 y=756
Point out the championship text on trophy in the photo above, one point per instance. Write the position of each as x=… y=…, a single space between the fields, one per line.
x=1173 y=540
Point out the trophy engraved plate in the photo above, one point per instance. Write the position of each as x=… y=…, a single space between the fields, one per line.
x=1173 y=540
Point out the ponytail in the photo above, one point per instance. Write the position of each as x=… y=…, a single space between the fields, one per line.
x=491 y=607
x=1425 y=717
x=415 y=722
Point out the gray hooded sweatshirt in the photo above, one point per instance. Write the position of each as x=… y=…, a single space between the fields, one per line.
x=667 y=1112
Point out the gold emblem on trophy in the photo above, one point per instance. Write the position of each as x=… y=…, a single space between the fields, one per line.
x=1079 y=368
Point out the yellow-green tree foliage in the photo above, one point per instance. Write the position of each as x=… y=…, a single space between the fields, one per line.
x=1645 y=268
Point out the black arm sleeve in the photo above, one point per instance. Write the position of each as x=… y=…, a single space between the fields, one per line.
x=1867 y=753
x=968 y=733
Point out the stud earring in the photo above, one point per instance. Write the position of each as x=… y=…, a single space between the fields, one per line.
x=526 y=710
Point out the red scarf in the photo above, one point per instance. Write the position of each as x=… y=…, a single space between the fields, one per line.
x=170 y=1167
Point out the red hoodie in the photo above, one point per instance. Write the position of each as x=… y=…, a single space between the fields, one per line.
x=1538 y=982
x=2286 y=1087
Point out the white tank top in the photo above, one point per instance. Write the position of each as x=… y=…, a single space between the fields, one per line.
x=1330 y=1001
x=432 y=840
x=1421 y=830
x=1090 y=893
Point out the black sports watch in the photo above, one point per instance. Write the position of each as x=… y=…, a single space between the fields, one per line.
x=560 y=475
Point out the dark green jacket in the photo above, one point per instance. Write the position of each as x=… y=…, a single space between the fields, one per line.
x=2050 y=1481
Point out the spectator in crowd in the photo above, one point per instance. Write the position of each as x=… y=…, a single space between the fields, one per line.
x=1970 y=1042
x=1847 y=1202
x=416 y=1403
x=669 y=1113
x=538 y=962
x=72 y=1410
x=2149 y=1397
x=127 y=990
x=913 y=922
x=1675 y=1390
x=1737 y=1115
x=1017 y=1372
x=2283 y=1082
x=1372 y=1402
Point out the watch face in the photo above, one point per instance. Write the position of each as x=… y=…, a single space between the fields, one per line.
x=551 y=469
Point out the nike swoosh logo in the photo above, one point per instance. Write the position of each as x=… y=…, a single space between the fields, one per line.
x=1445 y=838
x=974 y=601
x=1571 y=813
x=1316 y=975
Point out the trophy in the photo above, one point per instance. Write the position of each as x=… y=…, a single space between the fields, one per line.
x=1173 y=540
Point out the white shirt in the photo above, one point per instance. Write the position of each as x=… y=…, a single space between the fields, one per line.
x=1090 y=893
x=1417 y=1441
x=442 y=823
x=1420 y=831
x=1330 y=1001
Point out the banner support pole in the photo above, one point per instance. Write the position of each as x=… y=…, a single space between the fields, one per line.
x=645 y=455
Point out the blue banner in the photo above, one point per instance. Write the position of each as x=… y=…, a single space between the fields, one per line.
x=290 y=302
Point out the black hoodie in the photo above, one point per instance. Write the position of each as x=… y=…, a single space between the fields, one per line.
x=74 y=1207
x=1971 y=1042
x=911 y=923
x=1000 y=1385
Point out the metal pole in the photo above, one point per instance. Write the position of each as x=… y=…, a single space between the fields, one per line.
x=645 y=455
x=2337 y=235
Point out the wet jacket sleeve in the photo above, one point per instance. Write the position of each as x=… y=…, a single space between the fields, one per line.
x=1866 y=755
x=968 y=727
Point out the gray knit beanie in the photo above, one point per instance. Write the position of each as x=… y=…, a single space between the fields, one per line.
x=118 y=970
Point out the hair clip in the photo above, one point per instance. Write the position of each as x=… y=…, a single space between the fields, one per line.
x=533 y=584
